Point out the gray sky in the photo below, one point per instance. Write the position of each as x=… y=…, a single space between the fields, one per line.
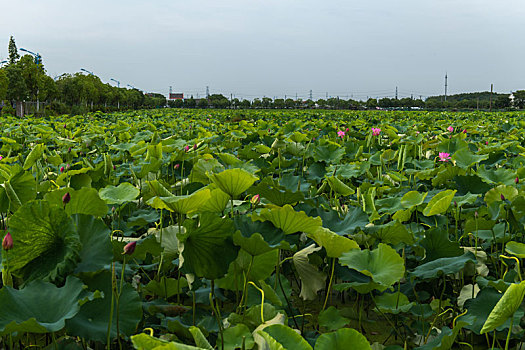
x=276 y=47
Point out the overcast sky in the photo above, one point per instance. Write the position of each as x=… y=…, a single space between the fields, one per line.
x=278 y=47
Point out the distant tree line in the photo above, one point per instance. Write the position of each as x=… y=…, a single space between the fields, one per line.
x=26 y=88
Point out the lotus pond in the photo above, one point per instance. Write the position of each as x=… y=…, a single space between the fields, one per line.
x=177 y=229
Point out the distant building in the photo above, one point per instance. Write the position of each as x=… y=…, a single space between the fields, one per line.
x=176 y=96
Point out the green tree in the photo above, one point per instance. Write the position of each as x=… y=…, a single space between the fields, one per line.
x=278 y=103
x=289 y=103
x=371 y=103
x=13 y=51
x=502 y=101
x=190 y=103
x=4 y=83
x=519 y=99
x=203 y=103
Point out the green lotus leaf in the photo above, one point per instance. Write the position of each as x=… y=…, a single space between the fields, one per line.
x=18 y=188
x=96 y=252
x=216 y=203
x=125 y=192
x=312 y=280
x=233 y=181
x=383 y=264
x=494 y=194
x=437 y=245
x=394 y=233
x=182 y=204
x=289 y=220
x=275 y=193
x=332 y=320
x=166 y=287
x=40 y=307
x=355 y=218
x=286 y=337
x=334 y=244
x=505 y=308
x=339 y=186
x=35 y=154
x=515 y=248
x=465 y=159
x=199 y=338
x=84 y=201
x=147 y=342
x=412 y=199
x=202 y=166
x=499 y=176
x=46 y=244
x=233 y=338
x=167 y=238
x=439 y=203
x=331 y=153
x=93 y=318
x=445 y=266
x=445 y=340
x=340 y=339
x=207 y=247
x=470 y=183
x=393 y=303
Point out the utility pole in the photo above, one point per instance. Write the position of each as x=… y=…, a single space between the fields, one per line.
x=171 y=90
x=207 y=92
x=446 y=86
x=490 y=103
x=396 y=92
x=310 y=94
x=327 y=96
x=296 y=96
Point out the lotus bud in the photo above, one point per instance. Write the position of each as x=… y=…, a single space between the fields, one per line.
x=502 y=197
x=7 y=242
x=187 y=148
x=195 y=146
x=129 y=248
x=69 y=150
x=66 y=198
x=1 y=157
x=455 y=204
x=464 y=131
x=112 y=209
x=68 y=166
x=176 y=166
x=65 y=126
x=517 y=180
x=256 y=199
x=61 y=169
x=486 y=142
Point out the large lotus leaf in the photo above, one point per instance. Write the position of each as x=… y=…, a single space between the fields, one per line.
x=125 y=192
x=40 y=307
x=289 y=220
x=515 y=248
x=445 y=339
x=46 y=244
x=393 y=303
x=339 y=186
x=312 y=280
x=18 y=189
x=275 y=193
x=394 y=233
x=412 y=199
x=258 y=237
x=287 y=337
x=383 y=264
x=340 y=339
x=499 y=176
x=332 y=319
x=34 y=155
x=233 y=181
x=445 y=266
x=464 y=158
x=505 y=308
x=84 y=201
x=480 y=308
x=331 y=153
x=96 y=250
x=355 y=218
x=437 y=245
x=349 y=170
x=334 y=244
x=470 y=183
x=202 y=166
x=166 y=287
x=167 y=238
x=262 y=267
x=199 y=338
x=208 y=248
x=93 y=319
x=147 y=342
x=216 y=203
x=494 y=194
x=439 y=203
x=182 y=204
x=233 y=338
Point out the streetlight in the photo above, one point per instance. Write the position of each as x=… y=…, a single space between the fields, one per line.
x=118 y=86
x=134 y=88
x=2 y=62
x=116 y=81
x=85 y=70
x=37 y=61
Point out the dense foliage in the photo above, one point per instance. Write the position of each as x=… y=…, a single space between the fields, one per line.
x=263 y=230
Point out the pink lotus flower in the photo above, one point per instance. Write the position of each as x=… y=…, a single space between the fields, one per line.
x=187 y=148
x=341 y=133
x=129 y=248
x=376 y=131
x=61 y=169
x=176 y=166
x=7 y=242
x=347 y=129
x=1 y=157
x=444 y=156
x=66 y=198
x=486 y=142
x=450 y=129
x=464 y=131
